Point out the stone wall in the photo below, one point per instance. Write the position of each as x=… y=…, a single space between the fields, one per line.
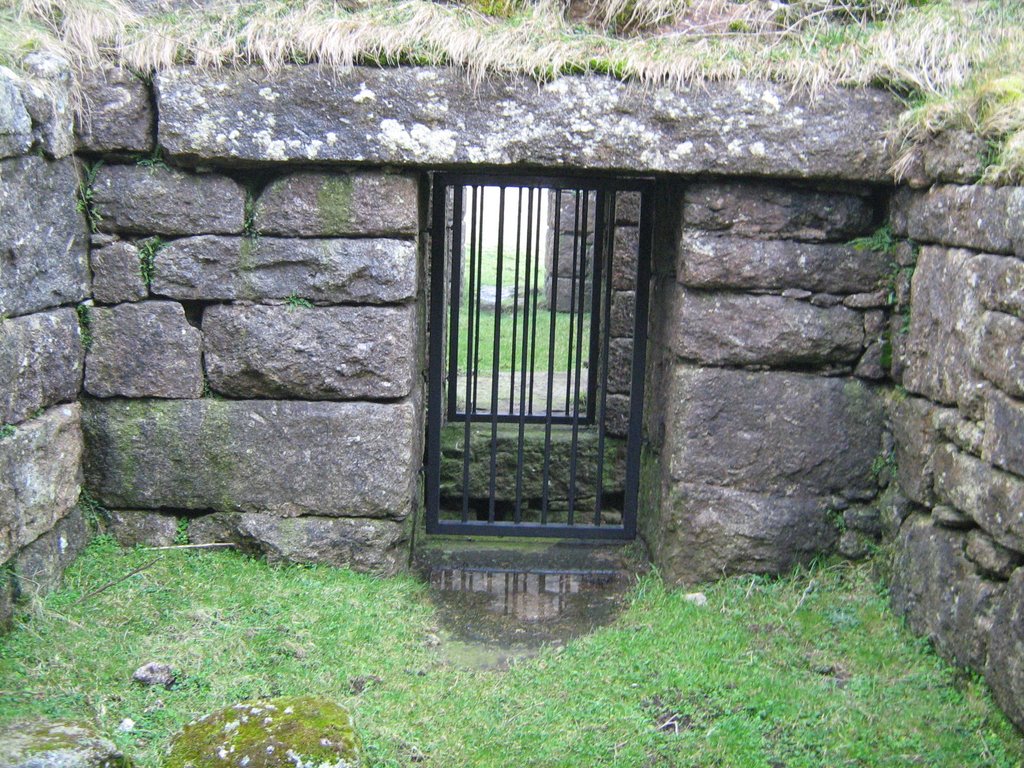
x=959 y=428
x=765 y=419
x=44 y=273
x=255 y=334
x=257 y=380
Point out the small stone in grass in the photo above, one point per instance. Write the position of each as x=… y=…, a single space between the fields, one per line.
x=155 y=673
x=697 y=598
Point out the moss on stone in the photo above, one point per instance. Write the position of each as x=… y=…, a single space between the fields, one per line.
x=297 y=732
x=216 y=431
x=334 y=201
x=58 y=743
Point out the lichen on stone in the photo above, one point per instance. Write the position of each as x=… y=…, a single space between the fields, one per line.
x=290 y=732
x=57 y=744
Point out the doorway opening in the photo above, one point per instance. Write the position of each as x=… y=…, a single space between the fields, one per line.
x=538 y=328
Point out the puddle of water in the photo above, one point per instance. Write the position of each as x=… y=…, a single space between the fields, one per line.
x=490 y=617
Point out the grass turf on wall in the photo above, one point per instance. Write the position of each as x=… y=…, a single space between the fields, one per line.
x=958 y=64
x=803 y=671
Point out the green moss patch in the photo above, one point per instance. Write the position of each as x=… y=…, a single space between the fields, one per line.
x=292 y=732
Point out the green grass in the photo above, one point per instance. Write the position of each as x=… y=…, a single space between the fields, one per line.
x=806 y=671
x=488 y=323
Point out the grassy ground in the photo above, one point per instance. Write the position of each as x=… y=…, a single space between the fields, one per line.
x=958 y=64
x=485 y=362
x=811 y=670
x=542 y=329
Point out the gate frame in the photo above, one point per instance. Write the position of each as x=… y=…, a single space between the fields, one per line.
x=436 y=406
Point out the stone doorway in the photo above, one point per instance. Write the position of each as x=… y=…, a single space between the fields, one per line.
x=538 y=323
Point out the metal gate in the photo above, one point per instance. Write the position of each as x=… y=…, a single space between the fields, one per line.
x=538 y=329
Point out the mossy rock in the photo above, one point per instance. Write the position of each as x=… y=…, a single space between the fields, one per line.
x=57 y=744
x=292 y=732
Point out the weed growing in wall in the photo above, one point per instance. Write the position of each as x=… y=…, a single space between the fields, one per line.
x=148 y=250
x=92 y=511
x=84 y=325
x=84 y=204
x=249 y=219
x=154 y=160
x=294 y=301
x=879 y=241
x=181 y=534
x=883 y=465
x=7 y=430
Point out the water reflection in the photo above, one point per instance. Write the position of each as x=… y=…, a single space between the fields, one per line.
x=521 y=595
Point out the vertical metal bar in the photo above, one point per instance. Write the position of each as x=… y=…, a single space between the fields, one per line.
x=436 y=353
x=479 y=245
x=604 y=222
x=636 y=393
x=552 y=309
x=527 y=327
x=496 y=359
x=538 y=252
x=574 y=451
x=606 y=210
x=572 y=294
x=471 y=341
x=455 y=249
x=515 y=301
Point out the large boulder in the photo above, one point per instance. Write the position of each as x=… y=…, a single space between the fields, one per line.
x=116 y=272
x=738 y=329
x=286 y=458
x=715 y=260
x=364 y=545
x=998 y=354
x=288 y=732
x=47 y=91
x=706 y=532
x=157 y=200
x=143 y=350
x=432 y=116
x=314 y=353
x=139 y=527
x=1000 y=280
x=39 y=567
x=974 y=216
x=992 y=498
x=43 y=238
x=936 y=587
x=364 y=271
x=772 y=210
x=772 y=432
x=317 y=204
x=1003 y=444
x=943 y=325
x=15 y=123
x=117 y=113
x=1004 y=671
x=57 y=744
x=40 y=476
x=915 y=439
x=40 y=363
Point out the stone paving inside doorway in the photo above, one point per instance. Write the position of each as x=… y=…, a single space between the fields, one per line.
x=499 y=601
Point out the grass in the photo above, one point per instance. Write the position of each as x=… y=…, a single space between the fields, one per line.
x=542 y=328
x=804 y=671
x=957 y=64
x=485 y=358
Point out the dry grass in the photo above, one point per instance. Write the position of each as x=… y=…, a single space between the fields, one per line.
x=959 y=64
